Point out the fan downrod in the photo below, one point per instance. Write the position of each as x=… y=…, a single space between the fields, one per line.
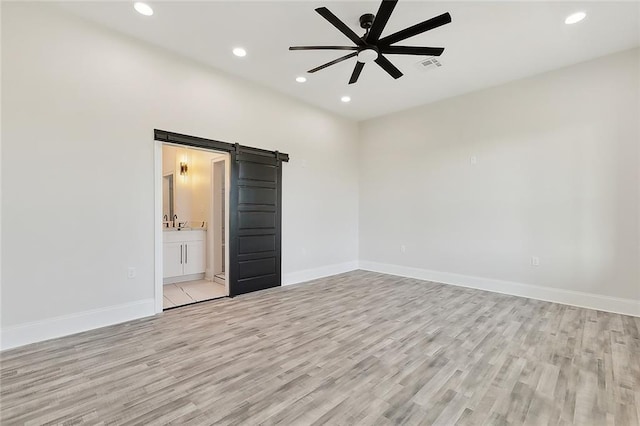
x=366 y=20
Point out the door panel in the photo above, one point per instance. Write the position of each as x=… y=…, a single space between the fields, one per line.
x=255 y=195
x=257 y=172
x=256 y=244
x=257 y=268
x=172 y=260
x=251 y=219
x=255 y=249
x=194 y=257
x=258 y=283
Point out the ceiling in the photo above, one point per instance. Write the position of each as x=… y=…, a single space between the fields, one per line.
x=487 y=43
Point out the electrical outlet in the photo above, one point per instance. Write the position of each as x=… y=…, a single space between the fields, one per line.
x=535 y=261
x=473 y=160
x=131 y=272
x=403 y=249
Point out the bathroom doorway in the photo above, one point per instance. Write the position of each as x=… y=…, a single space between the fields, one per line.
x=195 y=219
x=252 y=209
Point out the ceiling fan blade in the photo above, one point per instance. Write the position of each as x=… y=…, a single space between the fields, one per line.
x=388 y=67
x=384 y=12
x=323 y=48
x=335 y=61
x=356 y=72
x=412 y=50
x=427 y=25
x=341 y=26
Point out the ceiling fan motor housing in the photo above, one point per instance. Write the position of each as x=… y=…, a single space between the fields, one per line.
x=366 y=20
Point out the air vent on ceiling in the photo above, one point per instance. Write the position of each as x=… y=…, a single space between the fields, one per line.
x=429 y=63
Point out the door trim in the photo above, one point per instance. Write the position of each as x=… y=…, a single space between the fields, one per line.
x=157 y=227
x=210 y=240
x=163 y=136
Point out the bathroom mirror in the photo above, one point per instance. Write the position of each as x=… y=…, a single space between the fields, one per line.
x=167 y=196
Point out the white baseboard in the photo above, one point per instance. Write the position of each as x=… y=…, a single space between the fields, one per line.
x=19 y=335
x=566 y=297
x=37 y=331
x=315 y=273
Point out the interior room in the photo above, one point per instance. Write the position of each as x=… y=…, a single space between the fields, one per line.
x=194 y=219
x=320 y=212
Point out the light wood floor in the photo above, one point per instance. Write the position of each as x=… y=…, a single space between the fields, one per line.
x=357 y=348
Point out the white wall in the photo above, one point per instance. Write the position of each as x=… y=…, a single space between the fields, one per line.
x=79 y=107
x=556 y=177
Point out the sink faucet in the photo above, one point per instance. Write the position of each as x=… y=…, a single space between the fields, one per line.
x=165 y=219
x=175 y=218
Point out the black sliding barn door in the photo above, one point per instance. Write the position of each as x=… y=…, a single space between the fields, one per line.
x=255 y=211
x=255 y=221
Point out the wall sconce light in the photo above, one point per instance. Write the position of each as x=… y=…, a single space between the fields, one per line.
x=183 y=168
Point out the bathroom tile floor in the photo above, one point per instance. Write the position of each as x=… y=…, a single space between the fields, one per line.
x=190 y=292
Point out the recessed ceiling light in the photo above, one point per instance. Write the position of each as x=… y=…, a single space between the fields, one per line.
x=143 y=8
x=575 y=18
x=301 y=79
x=345 y=99
x=239 y=51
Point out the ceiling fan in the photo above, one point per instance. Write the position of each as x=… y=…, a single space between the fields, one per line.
x=370 y=47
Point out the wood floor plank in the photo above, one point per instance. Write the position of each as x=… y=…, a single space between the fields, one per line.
x=356 y=348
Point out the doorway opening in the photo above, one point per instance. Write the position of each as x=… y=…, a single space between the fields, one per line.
x=195 y=219
x=252 y=226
